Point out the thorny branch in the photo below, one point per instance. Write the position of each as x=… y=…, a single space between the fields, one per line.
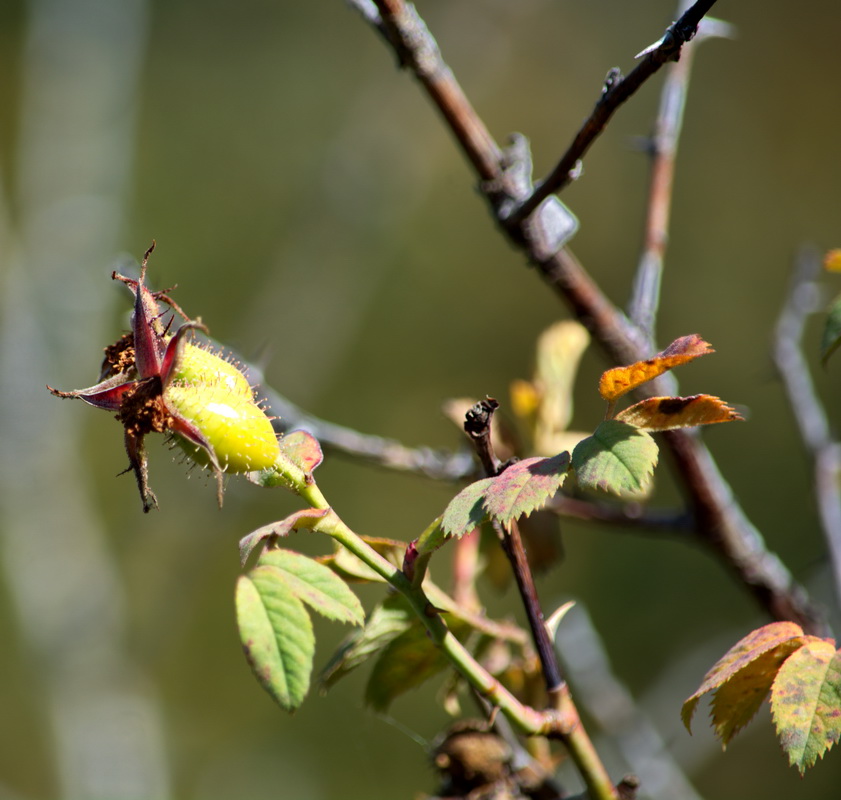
x=616 y=91
x=719 y=521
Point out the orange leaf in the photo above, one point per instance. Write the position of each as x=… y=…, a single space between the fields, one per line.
x=832 y=261
x=666 y=413
x=620 y=380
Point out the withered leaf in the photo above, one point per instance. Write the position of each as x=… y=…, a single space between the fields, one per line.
x=667 y=413
x=621 y=380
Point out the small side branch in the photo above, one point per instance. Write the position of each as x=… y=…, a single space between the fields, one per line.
x=616 y=91
x=645 y=299
x=802 y=300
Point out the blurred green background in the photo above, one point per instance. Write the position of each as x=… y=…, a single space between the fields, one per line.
x=312 y=209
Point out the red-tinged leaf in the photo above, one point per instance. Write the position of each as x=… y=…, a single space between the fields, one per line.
x=525 y=486
x=668 y=413
x=305 y=518
x=764 y=639
x=302 y=449
x=806 y=703
x=315 y=584
x=405 y=663
x=831 y=337
x=620 y=380
x=466 y=510
x=617 y=458
x=277 y=637
x=386 y=622
x=832 y=261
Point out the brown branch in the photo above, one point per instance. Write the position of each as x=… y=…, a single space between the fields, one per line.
x=719 y=521
x=477 y=426
x=615 y=92
x=642 y=308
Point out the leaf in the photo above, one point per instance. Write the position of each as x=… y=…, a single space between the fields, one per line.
x=405 y=663
x=831 y=337
x=302 y=449
x=386 y=622
x=275 y=628
x=806 y=703
x=832 y=261
x=315 y=584
x=466 y=510
x=525 y=486
x=621 y=380
x=276 y=635
x=777 y=640
x=668 y=413
x=305 y=518
x=617 y=458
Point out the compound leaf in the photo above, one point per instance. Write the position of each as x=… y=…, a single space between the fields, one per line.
x=617 y=458
x=743 y=676
x=806 y=703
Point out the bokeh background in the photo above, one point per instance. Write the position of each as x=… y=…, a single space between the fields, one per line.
x=313 y=211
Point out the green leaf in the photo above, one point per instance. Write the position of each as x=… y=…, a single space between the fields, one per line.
x=386 y=622
x=831 y=337
x=276 y=635
x=806 y=703
x=405 y=663
x=466 y=510
x=617 y=458
x=315 y=584
x=305 y=518
x=525 y=486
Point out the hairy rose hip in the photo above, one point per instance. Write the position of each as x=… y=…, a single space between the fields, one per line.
x=158 y=382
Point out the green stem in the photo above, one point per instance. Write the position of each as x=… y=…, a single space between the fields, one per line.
x=527 y=719
x=559 y=722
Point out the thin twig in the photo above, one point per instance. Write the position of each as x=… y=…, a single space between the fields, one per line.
x=662 y=146
x=719 y=522
x=440 y=465
x=615 y=92
x=803 y=299
x=477 y=426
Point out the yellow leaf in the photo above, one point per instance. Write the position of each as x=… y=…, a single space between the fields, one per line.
x=667 y=413
x=752 y=646
x=620 y=380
